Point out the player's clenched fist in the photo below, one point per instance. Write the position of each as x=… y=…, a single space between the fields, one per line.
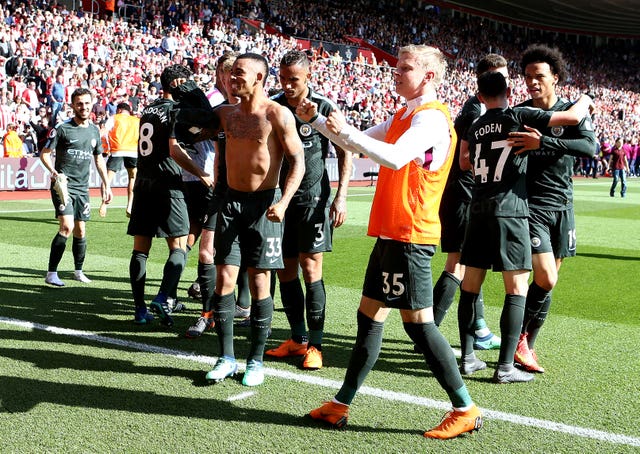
x=306 y=110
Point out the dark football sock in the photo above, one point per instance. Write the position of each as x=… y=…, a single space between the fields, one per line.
x=207 y=281
x=224 y=307
x=536 y=323
x=293 y=303
x=172 y=271
x=536 y=298
x=79 y=250
x=58 y=245
x=363 y=356
x=244 y=296
x=443 y=293
x=510 y=325
x=466 y=308
x=316 y=302
x=138 y=276
x=261 y=315
x=440 y=359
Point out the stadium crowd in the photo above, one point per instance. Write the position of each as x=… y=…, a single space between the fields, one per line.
x=48 y=51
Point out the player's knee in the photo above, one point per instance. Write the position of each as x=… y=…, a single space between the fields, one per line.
x=65 y=230
x=546 y=281
x=311 y=266
x=519 y=289
x=79 y=231
x=205 y=256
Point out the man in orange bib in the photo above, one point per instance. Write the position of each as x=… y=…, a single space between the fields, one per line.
x=122 y=141
x=415 y=149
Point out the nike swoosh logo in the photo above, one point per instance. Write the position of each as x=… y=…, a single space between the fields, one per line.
x=315 y=245
x=273 y=260
x=73 y=141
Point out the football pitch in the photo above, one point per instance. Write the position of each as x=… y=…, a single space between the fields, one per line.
x=76 y=375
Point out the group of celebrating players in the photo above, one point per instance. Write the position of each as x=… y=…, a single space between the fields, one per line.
x=494 y=187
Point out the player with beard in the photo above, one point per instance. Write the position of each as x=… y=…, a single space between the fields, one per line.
x=76 y=142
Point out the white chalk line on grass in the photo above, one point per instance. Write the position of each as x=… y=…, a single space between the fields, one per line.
x=241 y=396
x=310 y=379
x=44 y=210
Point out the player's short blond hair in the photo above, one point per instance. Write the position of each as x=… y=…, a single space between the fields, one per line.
x=225 y=62
x=429 y=57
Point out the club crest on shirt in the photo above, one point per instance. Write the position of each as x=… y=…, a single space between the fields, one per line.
x=557 y=131
x=535 y=241
x=305 y=130
x=52 y=133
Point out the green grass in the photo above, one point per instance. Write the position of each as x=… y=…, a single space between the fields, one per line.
x=129 y=389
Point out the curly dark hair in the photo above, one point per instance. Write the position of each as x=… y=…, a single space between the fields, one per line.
x=539 y=53
x=170 y=73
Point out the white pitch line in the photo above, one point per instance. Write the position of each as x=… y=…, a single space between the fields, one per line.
x=44 y=210
x=241 y=396
x=41 y=210
x=317 y=381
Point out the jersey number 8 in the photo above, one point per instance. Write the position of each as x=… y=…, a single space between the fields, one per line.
x=145 y=145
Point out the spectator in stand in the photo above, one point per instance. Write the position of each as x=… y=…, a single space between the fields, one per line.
x=119 y=44
x=30 y=96
x=29 y=140
x=12 y=143
x=40 y=124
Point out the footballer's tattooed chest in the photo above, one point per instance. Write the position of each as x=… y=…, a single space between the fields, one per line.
x=241 y=126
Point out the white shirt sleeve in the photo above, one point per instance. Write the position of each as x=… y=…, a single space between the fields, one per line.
x=429 y=131
x=109 y=124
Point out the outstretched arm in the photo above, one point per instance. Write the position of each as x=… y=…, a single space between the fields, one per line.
x=575 y=114
x=429 y=130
